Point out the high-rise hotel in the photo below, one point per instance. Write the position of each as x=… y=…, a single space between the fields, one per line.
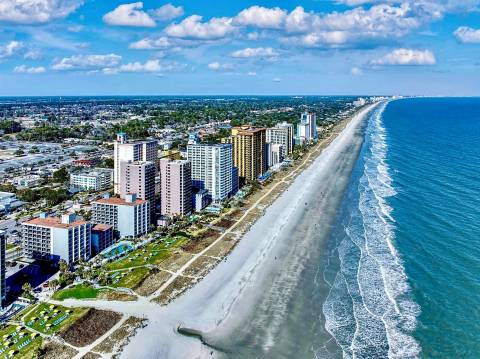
x=281 y=134
x=125 y=151
x=307 y=128
x=176 y=187
x=249 y=151
x=212 y=169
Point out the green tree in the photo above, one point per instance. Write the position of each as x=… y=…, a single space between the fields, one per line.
x=61 y=175
x=27 y=289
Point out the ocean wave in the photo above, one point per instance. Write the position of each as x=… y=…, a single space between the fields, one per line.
x=369 y=311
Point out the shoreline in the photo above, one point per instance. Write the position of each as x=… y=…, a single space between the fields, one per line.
x=233 y=287
x=175 y=313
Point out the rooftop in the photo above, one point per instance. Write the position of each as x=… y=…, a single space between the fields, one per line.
x=101 y=227
x=53 y=222
x=246 y=130
x=119 y=201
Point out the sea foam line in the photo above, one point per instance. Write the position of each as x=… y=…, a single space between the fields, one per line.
x=375 y=283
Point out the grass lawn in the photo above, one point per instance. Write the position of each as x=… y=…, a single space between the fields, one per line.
x=129 y=278
x=11 y=245
x=48 y=320
x=80 y=291
x=84 y=291
x=22 y=341
x=153 y=253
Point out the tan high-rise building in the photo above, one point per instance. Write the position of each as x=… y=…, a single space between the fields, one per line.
x=176 y=187
x=139 y=178
x=249 y=152
x=131 y=151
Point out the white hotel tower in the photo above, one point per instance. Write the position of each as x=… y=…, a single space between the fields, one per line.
x=212 y=168
x=125 y=151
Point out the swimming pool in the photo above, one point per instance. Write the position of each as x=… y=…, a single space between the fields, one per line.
x=117 y=249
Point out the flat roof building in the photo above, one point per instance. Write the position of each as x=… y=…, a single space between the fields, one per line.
x=212 y=169
x=281 y=134
x=97 y=180
x=55 y=238
x=131 y=151
x=130 y=217
x=249 y=151
x=102 y=237
x=176 y=187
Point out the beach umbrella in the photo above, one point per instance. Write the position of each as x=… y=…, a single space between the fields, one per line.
x=6 y=336
x=33 y=335
x=52 y=306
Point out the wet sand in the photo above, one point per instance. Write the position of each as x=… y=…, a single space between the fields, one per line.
x=257 y=303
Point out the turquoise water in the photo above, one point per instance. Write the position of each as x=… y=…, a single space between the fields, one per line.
x=404 y=256
x=117 y=249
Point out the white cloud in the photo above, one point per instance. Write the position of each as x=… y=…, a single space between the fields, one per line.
x=150 y=66
x=36 y=11
x=86 y=62
x=216 y=66
x=23 y=69
x=32 y=54
x=129 y=15
x=249 y=52
x=406 y=57
x=75 y=28
x=10 y=49
x=168 y=12
x=162 y=42
x=356 y=71
x=251 y=73
x=261 y=17
x=439 y=6
x=276 y=79
x=467 y=35
x=193 y=28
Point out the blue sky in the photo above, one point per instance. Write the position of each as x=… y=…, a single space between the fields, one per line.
x=99 y=47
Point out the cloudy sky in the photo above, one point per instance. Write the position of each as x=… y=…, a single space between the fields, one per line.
x=95 y=47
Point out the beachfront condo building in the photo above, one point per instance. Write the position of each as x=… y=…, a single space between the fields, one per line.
x=176 y=187
x=56 y=238
x=275 y=153
x=249 y=152
x=125 y=151
x=129 y=216
x=98 y=180
x=102 y=237
x=138 y=177
x=307 y=127
x=212 y=169
x=281 y=134
x=3 y=284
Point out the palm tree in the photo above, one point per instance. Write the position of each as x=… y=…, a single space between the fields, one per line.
x=27 y=288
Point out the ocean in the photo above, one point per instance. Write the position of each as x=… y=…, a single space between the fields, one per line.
x=403 y=256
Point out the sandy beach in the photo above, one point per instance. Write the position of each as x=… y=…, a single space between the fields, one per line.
x=245 y=307
x=252 y=287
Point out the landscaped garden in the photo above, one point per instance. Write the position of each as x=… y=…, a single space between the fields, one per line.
x=18 y=342
x=87 y=291
x=48 y=318
x=153 y=253
x=128 y=278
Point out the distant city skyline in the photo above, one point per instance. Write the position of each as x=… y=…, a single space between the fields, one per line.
x=311 y=47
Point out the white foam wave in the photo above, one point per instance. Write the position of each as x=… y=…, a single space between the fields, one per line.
x=377 y=316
